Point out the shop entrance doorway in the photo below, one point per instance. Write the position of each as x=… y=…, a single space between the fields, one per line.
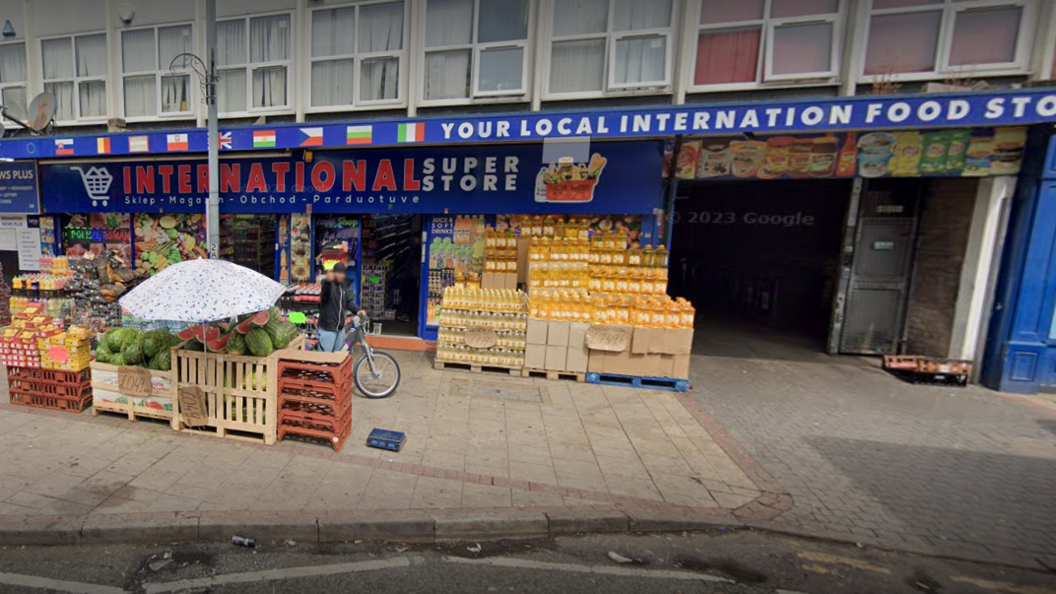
x=391 y=272
x=760 y=262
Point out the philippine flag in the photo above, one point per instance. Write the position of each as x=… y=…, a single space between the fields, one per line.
x=63 y=146
x=311 y=137
x=102 y=145
x=176 y=142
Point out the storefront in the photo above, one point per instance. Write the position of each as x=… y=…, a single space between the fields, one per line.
x=384 y=206
x=399 y=192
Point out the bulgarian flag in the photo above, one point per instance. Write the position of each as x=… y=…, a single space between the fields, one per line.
x=411 y=133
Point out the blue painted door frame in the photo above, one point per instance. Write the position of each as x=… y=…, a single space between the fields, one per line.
x=1021 y=346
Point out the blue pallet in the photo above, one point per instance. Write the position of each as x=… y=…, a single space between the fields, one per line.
x=387 y=440
x=630 y=381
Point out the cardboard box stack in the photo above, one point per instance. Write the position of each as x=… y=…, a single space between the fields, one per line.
x=556 y=345
x=640 y=352
x=19 y=343
x=68 y=351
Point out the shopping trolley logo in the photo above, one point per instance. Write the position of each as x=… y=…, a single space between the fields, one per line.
x=97 y=182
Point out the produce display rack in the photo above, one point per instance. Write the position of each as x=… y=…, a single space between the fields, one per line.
x=109 y=398
x=240 y=392
x=68 y=391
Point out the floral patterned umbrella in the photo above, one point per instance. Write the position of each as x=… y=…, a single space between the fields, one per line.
x=202 y=291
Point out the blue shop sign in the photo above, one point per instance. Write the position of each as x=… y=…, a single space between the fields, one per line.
x=865 y=113
x=617 y=178
x=18 y=188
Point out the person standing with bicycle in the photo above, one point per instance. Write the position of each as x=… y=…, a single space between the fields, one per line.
x=337 y=299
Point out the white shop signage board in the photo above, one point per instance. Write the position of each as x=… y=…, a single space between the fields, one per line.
x=8 y=240
x=12 y=221
x=28 y=250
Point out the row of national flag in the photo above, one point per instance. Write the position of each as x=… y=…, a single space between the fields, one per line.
x=309 y=137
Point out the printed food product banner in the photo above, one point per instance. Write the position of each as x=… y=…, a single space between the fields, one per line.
x=955 y=152
x=98 y=232
x=161 y=240
x=455 y=249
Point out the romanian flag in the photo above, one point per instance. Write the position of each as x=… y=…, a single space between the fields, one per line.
x=63 y=146
x=102 y=145
x=263 y=139
x=359 y=135
x=411 y=133
x=177 y=142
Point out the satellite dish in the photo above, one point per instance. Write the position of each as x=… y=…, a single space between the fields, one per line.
x=41 y=111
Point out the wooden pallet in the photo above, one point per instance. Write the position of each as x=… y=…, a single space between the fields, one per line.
x=476 y=367
x=648 y=383
x=552 y=375
x=104 y=385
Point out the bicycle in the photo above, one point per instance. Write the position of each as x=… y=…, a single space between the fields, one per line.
x=381 y=376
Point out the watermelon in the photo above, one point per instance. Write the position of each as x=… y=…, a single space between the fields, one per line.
x=236 y=344
x=133 y=349
x=257 y=320
x=194 y=345
x=103 y=352
x=274 y=313
x=202 y=334
x=258 y=342
x=156 y=340
x=117 y=359
x=115 y=338
x=218 y=345
x=281 y=333
x=162 y=361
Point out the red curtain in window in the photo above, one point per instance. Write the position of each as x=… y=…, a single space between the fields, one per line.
x=727 y=56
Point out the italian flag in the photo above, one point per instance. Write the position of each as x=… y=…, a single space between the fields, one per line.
x=411 y=133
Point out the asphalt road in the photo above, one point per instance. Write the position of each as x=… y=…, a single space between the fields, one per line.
x=729 y=563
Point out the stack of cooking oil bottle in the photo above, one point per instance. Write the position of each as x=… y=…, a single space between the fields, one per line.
x=503 y=310
x=500 y=250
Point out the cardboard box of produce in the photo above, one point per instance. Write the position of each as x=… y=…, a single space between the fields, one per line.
x=627 y=363
x=680 y=367
x=557 y=333
x=536 y=333
x=491 y=280
x=522 y=259
x=577 y=359
x=555 y=358
x=509 y=281
x=535 y=356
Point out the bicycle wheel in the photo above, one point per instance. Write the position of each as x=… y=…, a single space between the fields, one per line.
x=380 y=384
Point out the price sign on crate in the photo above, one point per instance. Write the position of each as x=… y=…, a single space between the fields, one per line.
x=481 y=338
x=133 y=381
x=58 y=354
x=192 y=406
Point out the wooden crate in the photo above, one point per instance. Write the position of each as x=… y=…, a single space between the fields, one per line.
x=239 y=408
x=106 y=394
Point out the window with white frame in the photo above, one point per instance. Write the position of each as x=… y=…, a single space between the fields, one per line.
x=357 y=54
x=149 y=87
x=75 y=71
x=254 y=67
x=13 y=78
x=925 y=38
x=475 y=48
x=746 y=42
x=609 y=45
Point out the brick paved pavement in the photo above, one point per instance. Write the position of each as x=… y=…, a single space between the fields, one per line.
x=865 y=455
x=475 y=441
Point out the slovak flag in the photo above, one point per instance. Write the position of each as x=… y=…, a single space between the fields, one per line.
x=63 y=146
x=177 y=142
x=225 y=140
